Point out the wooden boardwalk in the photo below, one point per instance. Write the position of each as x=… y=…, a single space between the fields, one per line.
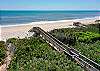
x=85 y=62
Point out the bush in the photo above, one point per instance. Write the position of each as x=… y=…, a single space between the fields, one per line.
x=69 y=39
x=87 y=36
x=91 y=50
x=2 y=51
x=87 y=39
x=34 y=54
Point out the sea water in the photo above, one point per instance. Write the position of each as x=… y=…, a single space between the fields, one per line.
x=8 y=17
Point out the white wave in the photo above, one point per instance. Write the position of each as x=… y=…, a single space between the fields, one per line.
x=44 y=22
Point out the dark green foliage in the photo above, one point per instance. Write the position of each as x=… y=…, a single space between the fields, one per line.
x=91 y=50
x=2 y=51
x=66 y=31
x=92 y=28
x=34 y=54
x=90 y=33
x=64 y=36
x=11 y=40
x=69 y=39
x=87 y=39
x=87 y=36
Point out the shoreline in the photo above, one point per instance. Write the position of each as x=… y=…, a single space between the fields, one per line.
x=21 y=30
x=42 y=22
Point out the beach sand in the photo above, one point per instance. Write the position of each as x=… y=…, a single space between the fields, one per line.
x=21 y=31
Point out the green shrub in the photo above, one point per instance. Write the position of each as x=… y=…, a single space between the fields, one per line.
x=87 y=36
x=91 y=50
x=87 y=39
x=2 y=51
x=11 y=40
x=34 y=54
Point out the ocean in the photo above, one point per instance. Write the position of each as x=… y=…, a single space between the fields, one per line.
x=8 y=17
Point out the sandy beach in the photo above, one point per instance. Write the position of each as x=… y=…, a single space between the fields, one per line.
x=21 y=31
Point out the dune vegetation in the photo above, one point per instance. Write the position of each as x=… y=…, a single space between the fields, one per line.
x=2 y=51
x=34 y=54
x=84 y=39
